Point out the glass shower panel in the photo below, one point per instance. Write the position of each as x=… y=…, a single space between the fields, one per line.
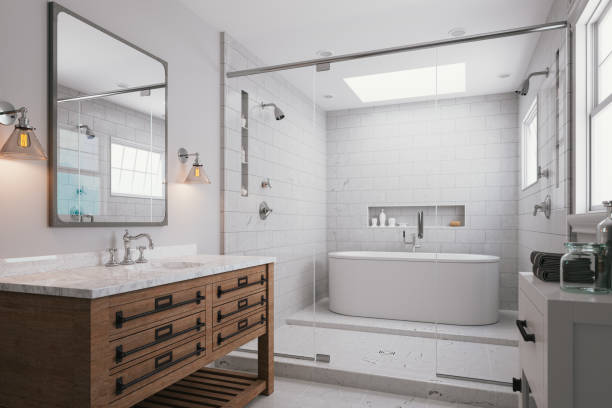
x=375 y=312
x=479 y=257
x=273 y=153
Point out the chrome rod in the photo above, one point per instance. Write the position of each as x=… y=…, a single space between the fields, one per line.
x=473 y=379
x=111 y=93
x=403 y=48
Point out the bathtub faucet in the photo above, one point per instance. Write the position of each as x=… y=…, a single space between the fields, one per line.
x=413 y=244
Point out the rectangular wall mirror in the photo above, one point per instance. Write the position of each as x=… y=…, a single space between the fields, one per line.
x=108 y=127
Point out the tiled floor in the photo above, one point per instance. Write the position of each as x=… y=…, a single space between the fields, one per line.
x=290 y=393
x=503 y=332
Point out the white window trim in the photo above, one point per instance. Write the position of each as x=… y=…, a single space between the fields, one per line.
x=584 y=217
x=532 y=114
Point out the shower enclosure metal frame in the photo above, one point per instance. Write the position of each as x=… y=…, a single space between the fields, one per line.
x=323 y=64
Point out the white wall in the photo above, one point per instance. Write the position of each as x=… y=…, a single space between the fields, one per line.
x=163 y=28
x=459 y=151
x=291 y=152
x=539 y=233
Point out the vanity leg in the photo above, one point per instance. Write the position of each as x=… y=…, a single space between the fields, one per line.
x=265 y=343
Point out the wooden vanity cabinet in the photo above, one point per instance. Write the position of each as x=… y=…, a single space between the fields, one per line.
x=144 y=347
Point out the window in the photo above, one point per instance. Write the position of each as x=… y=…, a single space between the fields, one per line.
x=600 y=141
x=529 y=146
x=136 y=172
x=593 y=106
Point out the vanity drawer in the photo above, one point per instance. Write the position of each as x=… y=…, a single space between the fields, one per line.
x=532 y=343
x=242 y=284
x=143 y=312
x=234 y=331
x=159 y=364
x=131 y=347
x=238 y=308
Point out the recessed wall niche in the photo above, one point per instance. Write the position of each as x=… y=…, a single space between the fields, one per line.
x=437 y=216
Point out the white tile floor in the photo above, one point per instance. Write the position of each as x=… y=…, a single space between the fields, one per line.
x=290 y=393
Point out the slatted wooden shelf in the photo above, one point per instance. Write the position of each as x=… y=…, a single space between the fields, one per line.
x=210 y=388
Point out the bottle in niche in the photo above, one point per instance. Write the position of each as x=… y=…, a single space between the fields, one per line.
x=382 y=218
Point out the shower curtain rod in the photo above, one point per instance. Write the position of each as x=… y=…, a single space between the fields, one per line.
x=323 y=63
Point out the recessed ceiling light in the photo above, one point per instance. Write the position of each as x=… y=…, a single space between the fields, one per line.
x=328 y=96
x=324 y=53
x=457 y=32
x=410 y=83
x=503 y=76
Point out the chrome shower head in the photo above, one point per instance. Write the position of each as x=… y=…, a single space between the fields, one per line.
x=88 y=132
x=278 y=113
x=525 y=85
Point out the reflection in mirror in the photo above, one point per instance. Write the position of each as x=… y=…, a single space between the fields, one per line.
x=110 y=131
x=529 y=146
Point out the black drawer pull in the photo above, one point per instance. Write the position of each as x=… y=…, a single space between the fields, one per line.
x=120 y=386
x=159 y=361
x=163 y=331
x=163 y=302
x=242 y=303
x=221 y=339
x=242 y=283
x=522 y=325
x=246 y=306
x=159 y=307
x=517 y=384
x=120 y=354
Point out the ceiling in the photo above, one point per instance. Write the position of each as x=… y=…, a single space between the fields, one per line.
x=280 y=31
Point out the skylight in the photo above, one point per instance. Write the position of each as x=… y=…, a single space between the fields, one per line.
x=410 y=83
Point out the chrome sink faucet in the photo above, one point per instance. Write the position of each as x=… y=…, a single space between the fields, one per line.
x=127 y=255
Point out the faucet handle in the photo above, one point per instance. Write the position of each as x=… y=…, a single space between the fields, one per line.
x=112 y=252
x=141 y=258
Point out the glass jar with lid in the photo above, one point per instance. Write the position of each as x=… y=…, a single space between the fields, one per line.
x=583 y=268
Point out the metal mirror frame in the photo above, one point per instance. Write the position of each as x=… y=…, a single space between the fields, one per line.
x=54 y=9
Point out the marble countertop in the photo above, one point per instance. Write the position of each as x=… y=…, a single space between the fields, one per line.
x=551 y=291
x=92 y=282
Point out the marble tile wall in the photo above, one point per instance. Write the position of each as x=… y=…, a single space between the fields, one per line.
x=292 y=153
x=461 y=151
x=539 y=233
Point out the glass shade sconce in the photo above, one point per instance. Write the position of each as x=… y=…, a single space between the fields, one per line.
x=196 y=175
x=22 y=143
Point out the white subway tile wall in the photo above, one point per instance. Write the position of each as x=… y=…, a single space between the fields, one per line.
x=292 y=153
x=461 y=151
x=539 y=233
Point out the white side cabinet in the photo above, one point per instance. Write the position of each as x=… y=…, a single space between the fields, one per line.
x=565 y=347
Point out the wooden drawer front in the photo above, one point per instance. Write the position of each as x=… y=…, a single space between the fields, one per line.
x=242 y=285
x=144 y=312
x=149 y=340
x=531 y=353
x=238 y=329
x=238 y=308
x=158 y=365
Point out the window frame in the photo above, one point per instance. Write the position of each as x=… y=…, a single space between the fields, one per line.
x=530 y=116
x=149 y=149
x=594 y=107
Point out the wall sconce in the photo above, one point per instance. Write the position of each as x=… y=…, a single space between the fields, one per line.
x=22 y=143
x=197 y=173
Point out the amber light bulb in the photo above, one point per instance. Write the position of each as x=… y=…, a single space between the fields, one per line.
x=197 y=172
x=24 y=140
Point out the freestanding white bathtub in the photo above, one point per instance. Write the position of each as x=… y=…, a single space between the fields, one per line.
x=457 y=289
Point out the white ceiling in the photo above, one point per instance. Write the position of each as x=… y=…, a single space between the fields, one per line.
x=280 y=31
x=92 y=62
